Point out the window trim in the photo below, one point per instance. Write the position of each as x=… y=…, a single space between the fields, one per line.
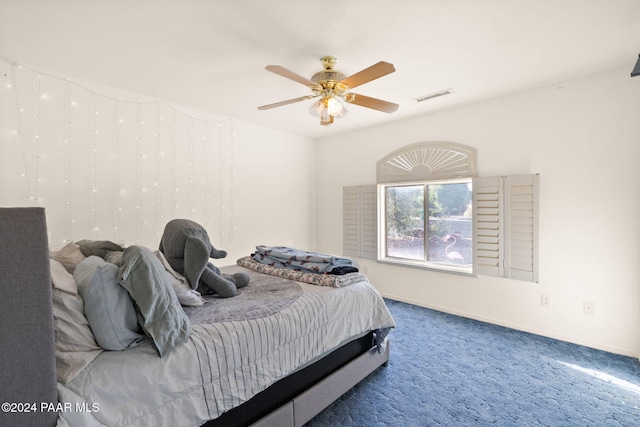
x=382 y=252
x=436 y=161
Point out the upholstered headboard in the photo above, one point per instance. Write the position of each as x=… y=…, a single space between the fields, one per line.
x=27 y=359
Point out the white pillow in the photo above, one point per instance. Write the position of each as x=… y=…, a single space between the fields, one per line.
x=69 y=256
x=74 y=342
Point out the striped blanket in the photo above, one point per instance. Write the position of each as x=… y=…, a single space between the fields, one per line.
x=224 y=363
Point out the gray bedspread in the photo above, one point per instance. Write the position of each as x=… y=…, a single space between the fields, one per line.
x=224 y=363
x=268 y=296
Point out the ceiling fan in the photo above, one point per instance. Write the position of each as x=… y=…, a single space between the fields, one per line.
x=331 y=85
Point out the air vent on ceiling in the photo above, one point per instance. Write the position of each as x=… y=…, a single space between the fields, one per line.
x=434 y=95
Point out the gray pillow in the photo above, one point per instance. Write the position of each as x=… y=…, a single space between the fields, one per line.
x=107 y=305
x=98 y=247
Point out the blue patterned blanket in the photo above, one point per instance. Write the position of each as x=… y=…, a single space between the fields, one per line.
x=299 y=260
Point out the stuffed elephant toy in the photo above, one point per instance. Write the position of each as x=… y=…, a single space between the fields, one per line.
x=186 y=246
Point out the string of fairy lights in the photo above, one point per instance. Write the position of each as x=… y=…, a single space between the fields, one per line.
x=115 y=149
x=17 y=132
x=93 y=175
x=36 y=116
x=147 y=161
x=67 y=165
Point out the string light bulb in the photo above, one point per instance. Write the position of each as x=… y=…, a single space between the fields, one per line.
x=91 y=136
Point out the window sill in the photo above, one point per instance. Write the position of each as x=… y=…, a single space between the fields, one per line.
x=432 y=266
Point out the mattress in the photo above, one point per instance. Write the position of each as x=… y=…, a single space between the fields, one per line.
x=238 y=347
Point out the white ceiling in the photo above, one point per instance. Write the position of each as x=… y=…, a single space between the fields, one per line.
x=211 y=54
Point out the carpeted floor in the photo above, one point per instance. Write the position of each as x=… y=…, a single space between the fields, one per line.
x=446 y=370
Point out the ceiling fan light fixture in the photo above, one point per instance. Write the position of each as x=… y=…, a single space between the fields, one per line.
x=316 y=108
x=334 y=106
x=327 y=109
x=319 y=109
x=326 y=122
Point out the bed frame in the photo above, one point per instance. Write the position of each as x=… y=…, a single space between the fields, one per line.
x=27 y=359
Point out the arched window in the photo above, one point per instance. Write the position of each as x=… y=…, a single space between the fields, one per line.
x=425 y=206
x=430 y=210
x=427 y=161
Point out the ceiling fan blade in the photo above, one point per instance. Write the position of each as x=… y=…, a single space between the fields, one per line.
x=289 y=74
x=374 y=103
x=374 y=72
x=287 y=102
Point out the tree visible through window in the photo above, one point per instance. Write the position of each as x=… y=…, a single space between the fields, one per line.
x=429 y=223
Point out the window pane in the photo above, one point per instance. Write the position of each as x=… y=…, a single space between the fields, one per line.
x=405 y=221
x=450 y=224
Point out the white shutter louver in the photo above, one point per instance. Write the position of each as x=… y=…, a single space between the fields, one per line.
x=521 y=199
x=350 y=221
x=487 y=232
x=369 y=222
x=360 y=221
x=505 y=226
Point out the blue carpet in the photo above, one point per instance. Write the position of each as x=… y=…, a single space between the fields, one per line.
x=446 y=370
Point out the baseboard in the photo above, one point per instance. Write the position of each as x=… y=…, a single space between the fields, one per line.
x=518 y=327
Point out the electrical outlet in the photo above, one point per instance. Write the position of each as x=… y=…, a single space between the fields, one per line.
x=545 y=300
x=588 y=307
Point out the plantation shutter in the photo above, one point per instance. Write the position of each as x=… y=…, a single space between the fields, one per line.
x=360 y=221
x=487 y=230
x=350 y=221
x=506 y=226
x=521 y=252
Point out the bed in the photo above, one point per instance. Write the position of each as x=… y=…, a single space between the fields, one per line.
x=275 y=355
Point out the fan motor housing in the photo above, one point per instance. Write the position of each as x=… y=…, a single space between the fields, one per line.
x=330 y=80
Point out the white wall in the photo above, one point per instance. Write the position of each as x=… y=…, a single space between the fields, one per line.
x=258 y=187
x=583 y=137
x=108 y=164
x=274 y=175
